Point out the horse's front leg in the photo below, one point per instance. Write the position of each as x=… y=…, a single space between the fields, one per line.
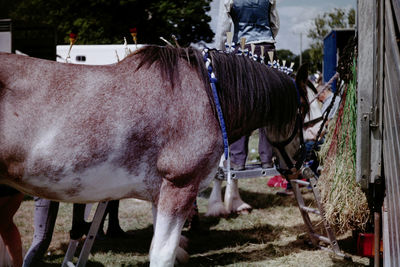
x=216 y=207
x=233 y=201
x=174 y=205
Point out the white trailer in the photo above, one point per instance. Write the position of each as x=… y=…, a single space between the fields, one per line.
x=94 y=54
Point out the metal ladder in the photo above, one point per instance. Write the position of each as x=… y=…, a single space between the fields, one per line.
x=251 y=171
x=255 y=171
x=316 y=239
x=90 y=237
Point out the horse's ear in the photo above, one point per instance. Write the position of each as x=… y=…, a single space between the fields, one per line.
x=302 y=75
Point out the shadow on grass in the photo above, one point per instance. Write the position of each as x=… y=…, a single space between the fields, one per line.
x=201 y=243
x=204 y=241
x=56 y=260
x=138 y=243
x=218 y=247
x=221 y=247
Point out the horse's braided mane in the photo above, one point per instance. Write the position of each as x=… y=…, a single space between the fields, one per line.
x=246 y=88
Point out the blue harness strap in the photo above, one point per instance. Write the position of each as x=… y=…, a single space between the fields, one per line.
x=213 y=82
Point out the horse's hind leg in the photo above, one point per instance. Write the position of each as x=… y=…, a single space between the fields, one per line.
x=174 y=205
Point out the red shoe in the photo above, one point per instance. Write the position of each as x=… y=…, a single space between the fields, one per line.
x=277 y=181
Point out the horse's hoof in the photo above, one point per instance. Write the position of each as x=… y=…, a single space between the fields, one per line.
x=244 y=212
x=216 y=210
x=244 y=209
x=182 y=257
x=184 y=242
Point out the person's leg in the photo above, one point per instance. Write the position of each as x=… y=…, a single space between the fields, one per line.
x=44 y=220
x=8 y=230
x=238 y=151
x=264 y=149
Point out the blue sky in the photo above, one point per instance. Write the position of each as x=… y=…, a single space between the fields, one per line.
x=296 y=17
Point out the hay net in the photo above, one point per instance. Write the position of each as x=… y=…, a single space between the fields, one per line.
x=344 y=202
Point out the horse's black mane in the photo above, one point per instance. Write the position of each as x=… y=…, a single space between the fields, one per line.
x=246 y=88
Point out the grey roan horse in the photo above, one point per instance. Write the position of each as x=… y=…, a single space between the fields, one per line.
x=145 y=128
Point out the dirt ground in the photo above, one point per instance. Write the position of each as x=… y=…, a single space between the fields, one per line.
x=273 y=234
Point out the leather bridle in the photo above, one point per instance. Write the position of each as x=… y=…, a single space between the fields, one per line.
x=300 y=155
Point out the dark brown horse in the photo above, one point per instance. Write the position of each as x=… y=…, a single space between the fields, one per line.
x=142 y=128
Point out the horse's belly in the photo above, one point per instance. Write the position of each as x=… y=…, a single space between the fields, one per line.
x=98 y=183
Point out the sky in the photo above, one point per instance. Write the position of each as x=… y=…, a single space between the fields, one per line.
x=296 y=17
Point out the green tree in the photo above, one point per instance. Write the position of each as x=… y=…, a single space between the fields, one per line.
x=351 y=17
x=321 y=26
x=108 y=21
x=306 y=58
x=284 y=54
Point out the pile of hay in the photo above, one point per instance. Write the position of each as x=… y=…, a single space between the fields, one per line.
x=344 y=202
